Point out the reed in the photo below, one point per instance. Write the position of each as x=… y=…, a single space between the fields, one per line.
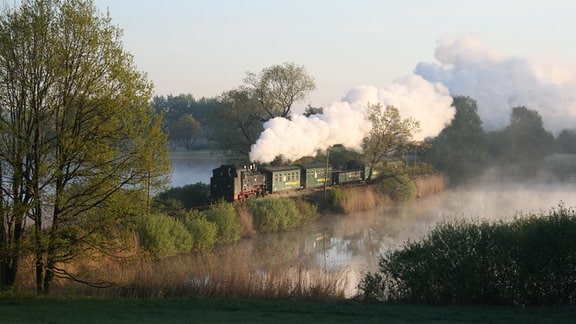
x=219 y=273
x=350 y=200
x=429 y=184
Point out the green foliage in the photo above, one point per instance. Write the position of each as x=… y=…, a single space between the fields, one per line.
x=185 y=131
x=272 y=214
x=204 y=233
x=277 y=88
x=174 y=107
x=460 y=150
x=225 y=216
x=237 y=119
x=522 y=147
x=531 y=261
x=163 y=236
x=188 y=196
x=236 y=126
x=398 y=186
x=566 y=141
x=308 y=211
x=333 y=199
x=390 y=134
x=76 y=129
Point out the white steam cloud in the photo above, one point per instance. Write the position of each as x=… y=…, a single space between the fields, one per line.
x=465 y=66
x=347 y=123
x=470 y=67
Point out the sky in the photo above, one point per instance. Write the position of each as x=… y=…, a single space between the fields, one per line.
x=413 y=54
x=206 y=47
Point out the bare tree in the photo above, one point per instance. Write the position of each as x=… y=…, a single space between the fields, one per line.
x=278 y=87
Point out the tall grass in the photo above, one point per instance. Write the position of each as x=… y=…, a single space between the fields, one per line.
x=226 y=273
x=429 y=184
x=348 y=200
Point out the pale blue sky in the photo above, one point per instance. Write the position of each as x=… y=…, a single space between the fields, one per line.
x=206 y=47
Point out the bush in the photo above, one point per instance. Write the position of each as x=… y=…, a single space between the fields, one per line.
x=188 y=196
x=272 y=214
x=225 y=217
x=334 y=199
x=203 y=232
x=308 y=211
x=162 y=236
x=399 y=187
x=531 y=261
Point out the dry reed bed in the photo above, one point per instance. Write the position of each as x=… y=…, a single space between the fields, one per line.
x=229 y=273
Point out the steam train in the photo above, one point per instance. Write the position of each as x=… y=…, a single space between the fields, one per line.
x=237 y=183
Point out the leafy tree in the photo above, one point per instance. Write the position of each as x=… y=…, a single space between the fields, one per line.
x=388 y=136
x=460 y=149
x=566 y=141
x=77 y=134
x=185 y=130
x=521 y=148
x=277 y=88
x=174 y=107
x=237 y=120
x=236 y=127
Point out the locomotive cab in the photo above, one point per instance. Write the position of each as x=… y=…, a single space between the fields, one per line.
x=232 y=183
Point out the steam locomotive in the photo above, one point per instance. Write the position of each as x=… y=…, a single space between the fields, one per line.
x=237 y=183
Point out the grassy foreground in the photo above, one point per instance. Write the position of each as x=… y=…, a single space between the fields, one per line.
x=98 y=310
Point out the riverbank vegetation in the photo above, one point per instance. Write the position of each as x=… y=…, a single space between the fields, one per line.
x=529 y=261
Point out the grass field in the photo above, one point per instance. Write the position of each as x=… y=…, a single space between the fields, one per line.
x=95 y=310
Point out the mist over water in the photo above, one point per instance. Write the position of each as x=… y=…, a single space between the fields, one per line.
x=357 y=243
x=352 y=243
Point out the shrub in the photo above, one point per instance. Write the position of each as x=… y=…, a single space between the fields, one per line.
x=225 y=216
x=203 y=232
x=531 y=261
x=162 y=236
x=188 y=196
x=399 y=187
x=307 y=210
x=334 y=198
x=273 y=214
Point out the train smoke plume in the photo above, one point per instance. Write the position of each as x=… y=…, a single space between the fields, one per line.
x=469 y=66
x=346 y=122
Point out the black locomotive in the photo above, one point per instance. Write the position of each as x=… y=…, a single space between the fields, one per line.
x=231 y=183
x=237 y=183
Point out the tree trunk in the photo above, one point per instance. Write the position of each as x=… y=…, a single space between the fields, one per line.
x=8 y=271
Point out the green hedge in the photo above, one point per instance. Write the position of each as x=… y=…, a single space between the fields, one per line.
x=530 y=261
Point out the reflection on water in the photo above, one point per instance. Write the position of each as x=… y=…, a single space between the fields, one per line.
x=352 y=243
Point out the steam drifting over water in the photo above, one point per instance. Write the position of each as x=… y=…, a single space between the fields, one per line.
x=346 y=122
